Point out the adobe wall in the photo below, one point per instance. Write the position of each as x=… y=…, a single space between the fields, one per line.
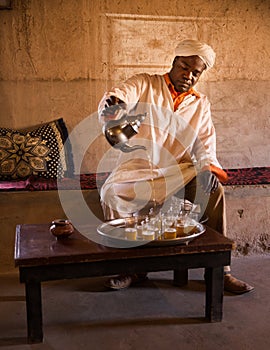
x=58 y=57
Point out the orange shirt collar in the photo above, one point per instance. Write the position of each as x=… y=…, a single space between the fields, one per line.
x=178 y=97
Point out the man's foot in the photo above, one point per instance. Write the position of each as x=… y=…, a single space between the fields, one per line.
x=233 y=285
x=125 y=281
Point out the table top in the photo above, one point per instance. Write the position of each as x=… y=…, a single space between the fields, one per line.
x=35 y=246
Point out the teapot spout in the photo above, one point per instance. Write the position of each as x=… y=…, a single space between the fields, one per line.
x=127 y=149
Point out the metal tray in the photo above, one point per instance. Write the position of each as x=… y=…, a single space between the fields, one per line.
x=112 y=234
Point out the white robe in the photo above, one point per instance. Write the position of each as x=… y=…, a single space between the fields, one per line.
x=178 y=145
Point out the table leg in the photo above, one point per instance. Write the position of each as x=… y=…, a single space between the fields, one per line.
x=34 y=312
x=180 y=277
x=214 y=280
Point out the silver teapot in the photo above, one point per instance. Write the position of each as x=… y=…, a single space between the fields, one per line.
x=120 y=130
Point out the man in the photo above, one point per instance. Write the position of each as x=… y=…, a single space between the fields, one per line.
x=180 y=138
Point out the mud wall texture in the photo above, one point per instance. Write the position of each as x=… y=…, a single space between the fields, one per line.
x=58 y=57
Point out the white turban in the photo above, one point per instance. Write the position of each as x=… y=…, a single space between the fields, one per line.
x=196 y=48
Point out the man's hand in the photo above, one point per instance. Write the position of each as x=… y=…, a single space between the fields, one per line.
x=208 y=181
x=112 y=106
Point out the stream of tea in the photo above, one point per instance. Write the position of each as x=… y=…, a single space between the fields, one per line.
x=152 y=182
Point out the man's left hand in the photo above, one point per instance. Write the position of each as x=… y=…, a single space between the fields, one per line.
x=208 y=181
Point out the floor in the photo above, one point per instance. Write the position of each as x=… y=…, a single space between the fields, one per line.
x=81 y=314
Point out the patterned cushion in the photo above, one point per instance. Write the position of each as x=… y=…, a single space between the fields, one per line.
x=35 y=151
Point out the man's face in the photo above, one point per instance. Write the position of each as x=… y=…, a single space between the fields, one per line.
x=186 y=72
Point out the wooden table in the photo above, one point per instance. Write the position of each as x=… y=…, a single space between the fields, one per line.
x=40 y=257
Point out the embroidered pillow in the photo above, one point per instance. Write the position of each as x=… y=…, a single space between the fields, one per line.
x=35 y=151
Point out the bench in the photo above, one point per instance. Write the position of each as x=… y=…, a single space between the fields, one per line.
x=36 y=200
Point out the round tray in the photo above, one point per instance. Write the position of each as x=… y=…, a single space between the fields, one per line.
x=112 y=234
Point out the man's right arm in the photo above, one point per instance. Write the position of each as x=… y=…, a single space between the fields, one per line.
x=109 y=107
x=124 y=97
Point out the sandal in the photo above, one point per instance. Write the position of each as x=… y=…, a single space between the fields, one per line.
x=236 y=286
x=125 y=281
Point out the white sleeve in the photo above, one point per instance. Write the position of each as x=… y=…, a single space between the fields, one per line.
x=129 y=92
x=205 y=145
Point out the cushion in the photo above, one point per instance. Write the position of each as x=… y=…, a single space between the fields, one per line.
x=37 y=183
x=242 y=177
x=248 y=176
x=36 y=151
